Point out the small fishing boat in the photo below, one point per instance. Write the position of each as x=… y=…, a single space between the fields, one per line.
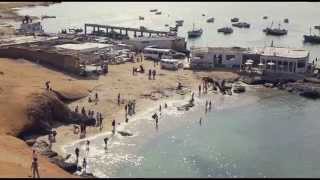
x=210 y=20
x=141 y=18
x=275 y=31
x=226 y=30
x=153 y=10
x=166 y=25
x=317 y=27
x=203 y=15
x=286 y=20
x=265 y=17
x=235 y=19
x=314 y=39
x=241 y=25
x=158 y=13
x=195 y=32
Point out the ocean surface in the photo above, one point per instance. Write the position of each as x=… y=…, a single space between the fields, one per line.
x=302 y=16
x=261 y=133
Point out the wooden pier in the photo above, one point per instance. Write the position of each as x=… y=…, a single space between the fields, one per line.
x=125 y=30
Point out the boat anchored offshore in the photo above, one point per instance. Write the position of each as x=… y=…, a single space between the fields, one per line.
x=195 y=33
x=286 y=20
x=235 y=19
x=210 y=20
x=226 y=30
x=265 y=17
x=141 y=18
x=275 y=31
x=153 y=10
x=241 y=25
x=314 y=39
x=158 y=13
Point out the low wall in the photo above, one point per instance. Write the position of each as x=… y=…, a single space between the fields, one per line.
x=62 y=62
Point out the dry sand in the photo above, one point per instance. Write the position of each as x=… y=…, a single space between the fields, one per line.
x=20 y=79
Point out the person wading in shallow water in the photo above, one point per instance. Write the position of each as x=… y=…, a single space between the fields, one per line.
x=200 y=121
x=106 y=143
x=77 y=151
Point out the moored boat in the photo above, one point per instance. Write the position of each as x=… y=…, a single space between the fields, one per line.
x=195 y=32
x=179 y=22
x=226 y=30
x=141 y=18
x=241 y=25
x=235 y=19
x=153 y=10
x=210 y=20
x=314 y=39
x=286 y=20
x=158 y=13
x=265 y=17
x=275 y=31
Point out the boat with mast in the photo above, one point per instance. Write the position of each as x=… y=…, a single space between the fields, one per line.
x=195 y=32
x=275 y=31
x=315 y=39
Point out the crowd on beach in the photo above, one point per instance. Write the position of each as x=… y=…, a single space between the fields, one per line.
x=130 y=110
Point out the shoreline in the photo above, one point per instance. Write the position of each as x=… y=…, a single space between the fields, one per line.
x=142 y=115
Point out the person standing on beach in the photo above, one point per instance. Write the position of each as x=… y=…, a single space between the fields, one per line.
x=84 y=165
x=150 y=72
x=87 y=147
x=119 y=99
x=106 y=143
x=160 y=109
x=199 y=89
x=113 y=126
x=34 y=168
x=76 y=110
x=126 y=108
x=127 y=120
x=206 y=108
x=96 y=97
x=34 y=154
x=165 y=105
x=154 y=74
x=77 y=151
x=210 y=106
x=200 y=121
x=47 y=85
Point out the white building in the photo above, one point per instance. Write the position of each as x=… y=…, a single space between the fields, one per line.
x=168 y=42
x=31 y=27
x=212 y=57
x=280 y=59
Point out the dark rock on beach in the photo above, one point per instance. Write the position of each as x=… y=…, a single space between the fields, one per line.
x=60 y=161
x=123 y=133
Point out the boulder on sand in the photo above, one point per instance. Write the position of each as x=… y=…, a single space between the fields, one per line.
x=59 y=161
x=123 y=133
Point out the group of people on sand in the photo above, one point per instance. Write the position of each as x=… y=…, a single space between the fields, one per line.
x=204 y=88
x=96 y=117
x=152 y=73
x=96 y=99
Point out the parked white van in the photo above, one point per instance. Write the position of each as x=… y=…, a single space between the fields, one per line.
x=157 y=54
x=171 y=64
